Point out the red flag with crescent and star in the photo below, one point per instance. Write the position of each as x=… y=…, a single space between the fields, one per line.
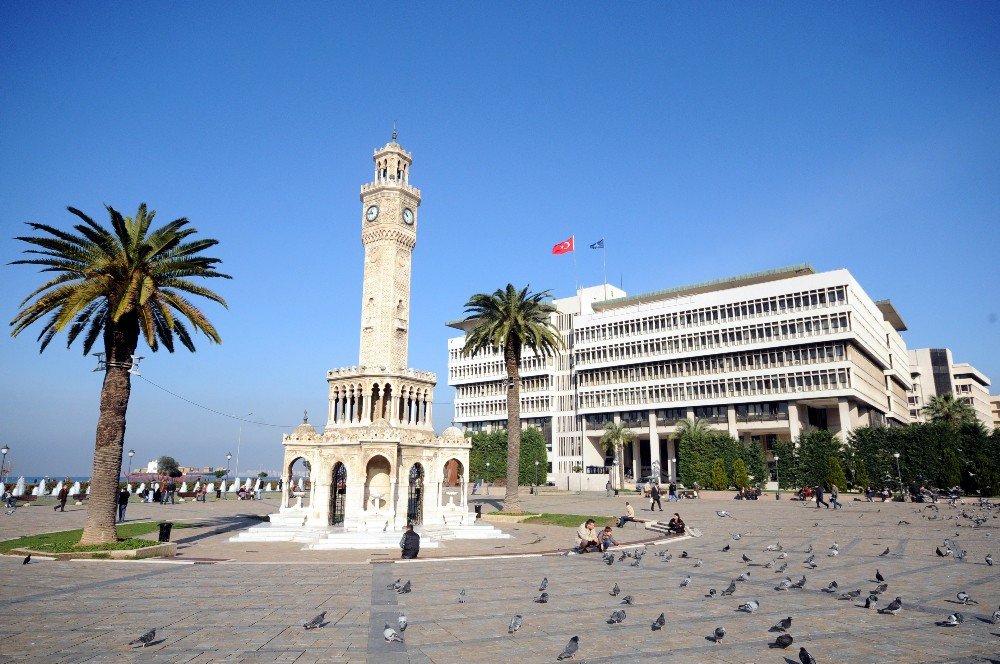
x=564 y=247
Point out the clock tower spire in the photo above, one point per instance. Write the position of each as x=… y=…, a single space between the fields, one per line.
x=388 y=234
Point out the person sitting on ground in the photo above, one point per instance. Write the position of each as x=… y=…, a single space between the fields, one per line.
x=628 y=516
x=410 y=543
x=676 y=525
x=586 y=537
x=607 y=541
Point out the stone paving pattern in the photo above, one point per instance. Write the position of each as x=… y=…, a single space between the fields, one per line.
x=251 y=607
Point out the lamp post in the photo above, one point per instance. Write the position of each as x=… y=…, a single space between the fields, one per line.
x=673 y=465
x=239 y=438
x=899 y=475
x=488 y=478
x=3 y=464
x=229 y=456
x=536 y=477
x=777 y=479
x=128 y=478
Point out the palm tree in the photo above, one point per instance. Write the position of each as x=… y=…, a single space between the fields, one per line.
x=508 y=321
x=946 y=408
x=615 y=437
x=696 y=428
x=116 y=285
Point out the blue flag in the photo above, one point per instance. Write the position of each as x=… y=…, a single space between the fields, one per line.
x=598 y=245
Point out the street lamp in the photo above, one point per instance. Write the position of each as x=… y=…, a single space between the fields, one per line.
x=229 y=456
x=673 y=464
x=777 y=479
x=128 y=478
x=239 y=438
x=488 y=480
x=899 y=475
x=3 y=464
x=536 y=477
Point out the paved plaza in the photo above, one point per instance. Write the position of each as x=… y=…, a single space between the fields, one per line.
x=222 y=601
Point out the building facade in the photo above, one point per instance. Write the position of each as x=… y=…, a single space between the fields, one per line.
x=763 y=356
x=935 y=373
x=995 y=411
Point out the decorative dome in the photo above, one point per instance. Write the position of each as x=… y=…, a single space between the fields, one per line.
x=452 y=432
x=305 y=430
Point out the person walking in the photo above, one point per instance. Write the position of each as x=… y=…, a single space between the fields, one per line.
x=819 y=497
x=63 y=495
x=171 y=491
x=672 y=495
x=607 y=489
x=833 y=497
x=410 y=543
x=654 y=496
x=122 y=503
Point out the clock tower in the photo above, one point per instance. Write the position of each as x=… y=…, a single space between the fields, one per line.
x=388 y=233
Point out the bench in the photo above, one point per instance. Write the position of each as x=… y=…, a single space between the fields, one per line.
x=687 y=493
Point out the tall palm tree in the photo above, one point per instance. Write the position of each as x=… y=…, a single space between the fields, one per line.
x=696 y=429
x=615 y=437
x=946 y=408
x=117 y=285
x=508 y=321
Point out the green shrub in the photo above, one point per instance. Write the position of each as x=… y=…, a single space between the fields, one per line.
x=740 y=477
x=719 y=480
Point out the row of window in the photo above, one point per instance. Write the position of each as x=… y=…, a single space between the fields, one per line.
x=497 y=368
x=737 y=336
x=499 y=388
x=499 y=406
x=712 y=315
x=784 y=383
x=748 y=361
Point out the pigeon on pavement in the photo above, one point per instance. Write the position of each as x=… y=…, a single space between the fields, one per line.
x=724 y=513
x=544 y=584
x=614 y=591
x=569 y=652
x=711 y=593
x=881 y=588
x=831 y=588
x=785 y=584
x=954 y=620
x=805 y=657
x=686 y=582
x=884 y=553
x=870 y=601
x=542 y=599
x=940 y=553
x=27 y=559
x=782 y=625
x=989 y=559
x=749 y=606
x=746 y=558
x=783 y=641
x=801 y=583
x=401 y=622
x=996 y=617
x=744 y=577
x=394 y=585
x=515 y=624
x=700 y=562
x=730 y=590
x=854 y=594
x=316 y=622
x=719 y=633
x=405 y=588
x=725 y=548
x=390 y=634
x=659 y=622
x=964 y=598
x=627 y=600
x=616 y=618
x=145 y=639
x=781 y=569
x=461 y=596
x=878 y=576
x=893 y=607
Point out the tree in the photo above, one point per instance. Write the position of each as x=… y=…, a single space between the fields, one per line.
x=167 y=465
x=835 y=474
x=492 y=447
x=262 y=474
x=719 y=480
x=695 y=447
x=950 y=473
x=508 y=321
x=117 y=285
x=814 y=452
x=615 y=437
x=946 y=408
x=740 y=477
x=219 y=474
x=861 y=481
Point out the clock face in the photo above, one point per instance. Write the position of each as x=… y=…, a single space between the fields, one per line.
x=408 y=216
x=371 y=213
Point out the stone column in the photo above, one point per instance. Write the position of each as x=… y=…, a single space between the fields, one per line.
x=430 y=413
x=636 y=459
x=846 y=426
x=794 y=423
x=319 y=502
x=731 y=421
x=654 y=446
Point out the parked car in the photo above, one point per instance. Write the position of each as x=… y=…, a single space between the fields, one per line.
x=642 y=486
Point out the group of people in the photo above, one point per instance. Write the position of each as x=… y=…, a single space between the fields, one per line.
x=747 y=493
x=588 y=537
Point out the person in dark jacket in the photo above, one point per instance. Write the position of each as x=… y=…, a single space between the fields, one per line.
x=819 y=497
x=410 y=544
x=63 y=495
x=122 y=503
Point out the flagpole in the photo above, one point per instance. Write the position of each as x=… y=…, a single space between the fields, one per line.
x=576 y=275
x=604 y=252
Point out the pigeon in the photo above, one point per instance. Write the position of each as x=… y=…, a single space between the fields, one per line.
x=405 y=588
x=782 y=625
x=954 y=620
x=394 y=585
x=686 y=582
x=805 y=657
x=809 y=560
x=769 y=564
x=401 y=622
x=724 y=513
x=700 y=562
x=614 y=591
x=831 y=588
x=783 y=641
x=961 y=555
x=461 y=596
x=773 y=547
x=996 y=617
x=940 y=553
x=725 y=548
x=684 y=554
x=316 y=622
x=893 y=607
x=746 y=558
x=781 y=569
x=810 y=549
x=964 y=598
x=744 y=577
x=616 y=618
x=833 y=554
x=143 y=640
x=544 y=584
x=623 y=556
x=542 y=599
x=801 y=583
x=27 y=559
x=782 y=555
x=989 y=559
x=569 y=652
x=515 y=624
x=609 y=560
x=737 y=537
x=854 y=594
x=390 y=634
x=870 y=601
x=881 y=588
x=785 y=584
x=884 y=553
x=835 y=547
x=749 y=606
x=658 y=623
x=712 y=593
x=878 y=576
x=719 y=633
x=636 y=562
x=903 y=523
x=730 y=590
x=667 y=557
x=627 y=600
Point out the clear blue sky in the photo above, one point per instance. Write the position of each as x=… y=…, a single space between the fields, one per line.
x=701 y=140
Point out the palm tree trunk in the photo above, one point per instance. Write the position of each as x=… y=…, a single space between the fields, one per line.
x=621 y=466
x=512 y=501
x=120 y=341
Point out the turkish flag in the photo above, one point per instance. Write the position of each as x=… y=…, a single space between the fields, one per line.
x=564 y=247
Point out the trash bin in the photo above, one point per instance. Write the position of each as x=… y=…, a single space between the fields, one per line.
x=479 y=511
x=616 y=492
x=165 y=527
x=218 y=494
